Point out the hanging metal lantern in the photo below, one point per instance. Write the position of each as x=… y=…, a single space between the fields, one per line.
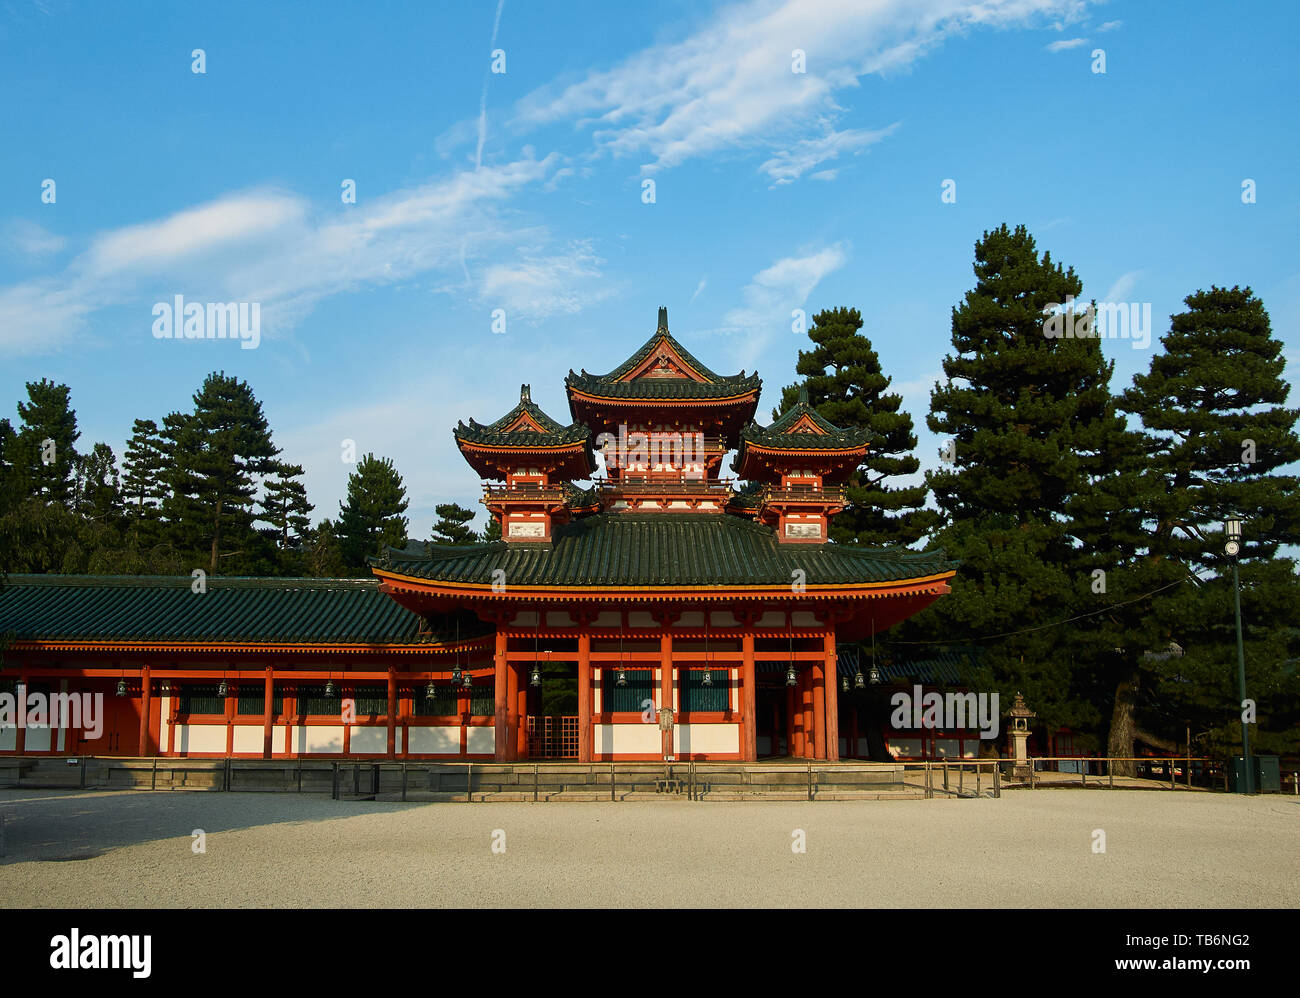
x=791 y=677
x=875 y=676
x=121 y=687
x=859 y=681
x=844 y=684
x=430 y=691
x=535 y=680
x=621 y=679
x=222 y=689
x=455 y=673
x=329 y=687
x=707 y=679
x=467 y=681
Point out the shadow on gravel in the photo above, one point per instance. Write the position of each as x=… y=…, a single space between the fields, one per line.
x=63 y=826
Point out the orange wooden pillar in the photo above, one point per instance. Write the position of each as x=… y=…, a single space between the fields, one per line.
x=832 y=694
x=521 y=713
x=794 y=709
x=268 y=705
x=749 y=693
x=806 y=713
x=513 y=686
x=392 y=712
x=817 y=677
x=502 y=708
x=666 y=680
x=584 y=697
x=146 y=693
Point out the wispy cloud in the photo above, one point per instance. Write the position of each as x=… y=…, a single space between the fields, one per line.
x=1122 y=287
x=773 y=293
x=273 y=247
x=698 y=288
x=30 y=240
x=1110 y=26
x=1065 y=43
x=731 y=84
x=790 y=164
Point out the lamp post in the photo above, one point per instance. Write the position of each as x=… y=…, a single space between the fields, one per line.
x=1232 y=527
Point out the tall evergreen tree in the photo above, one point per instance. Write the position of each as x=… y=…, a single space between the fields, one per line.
x=46 y=446
x=98 y=495
x=1030 y=418
x=284 y=503
x=143 y=464
x=217 y=452
x=1218 y=436
x=846 y=385
x=452 y=525
x=371 y=516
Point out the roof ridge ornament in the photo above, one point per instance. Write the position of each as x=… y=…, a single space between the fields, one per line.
x=525 y=393
x=803 y=393
x=663 y=319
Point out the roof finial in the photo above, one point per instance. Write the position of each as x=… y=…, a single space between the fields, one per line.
x=525 y=393
x=803 y=394
x=663 y=319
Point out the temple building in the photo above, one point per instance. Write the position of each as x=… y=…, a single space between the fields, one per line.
x=639 y=605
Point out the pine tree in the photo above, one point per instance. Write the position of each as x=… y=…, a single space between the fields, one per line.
x=143 y=464
x=46 y=446
x=284 y=503
x=493 y=530
x=371 y=517
x=452 y=526
x=1030 y=417
x=1218 y=436
x=98 y=494
x=217 y=452
x=854 y=394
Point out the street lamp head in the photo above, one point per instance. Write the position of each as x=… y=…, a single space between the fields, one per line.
x=1232 y=527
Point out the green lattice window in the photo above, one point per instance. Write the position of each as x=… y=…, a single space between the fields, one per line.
x=444 y=703
x=371 y=700
x=313 y=702
x=252 y=700
x=482 y=700
x=629 y=698
x=201 y=700
x=695 y=696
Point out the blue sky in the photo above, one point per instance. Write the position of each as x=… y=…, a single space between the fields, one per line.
x=523 y=191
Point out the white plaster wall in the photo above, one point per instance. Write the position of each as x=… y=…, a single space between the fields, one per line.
x=435 y=740
x=481 y=740
x=200 y=738
x=640 y=739
x=248 y=739
x=723 y=618
x=706 y=738
x=803 y=618
x=37 y=740
x=318 y=738
x=771 y=619
x=607 y=618
x=559 y=618
x=164 y=725
x=8 y=739
x=280 y=739
x=368 y=739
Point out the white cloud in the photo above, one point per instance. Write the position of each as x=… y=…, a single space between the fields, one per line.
x=790 y=164
x=542 y=284
x=730 y=84
x=1110 y=26
x=1066 y=43
x=28 y=239
x=274 y=249
x=1123 y=287
x=773 y=294
x=698 y=288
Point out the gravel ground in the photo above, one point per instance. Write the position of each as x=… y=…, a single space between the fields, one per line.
x=68 y=849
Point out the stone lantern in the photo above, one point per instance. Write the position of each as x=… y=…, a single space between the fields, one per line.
x=1020 y=716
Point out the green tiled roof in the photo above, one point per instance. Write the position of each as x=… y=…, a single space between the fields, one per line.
x=660 y=549
x=495 y=433
x=164 y=608
x=779 y=435
x=716 y=385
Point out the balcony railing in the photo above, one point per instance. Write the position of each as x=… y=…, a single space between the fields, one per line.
x=524 y=491
x=805 y=493
x=639 y=486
